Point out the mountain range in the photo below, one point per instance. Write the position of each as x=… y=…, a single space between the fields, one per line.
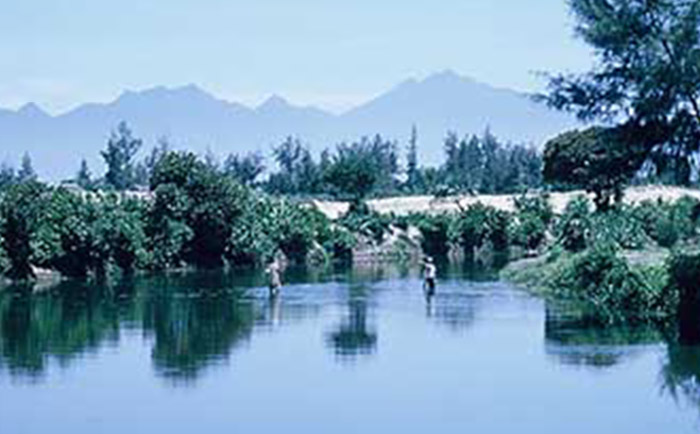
x=191 y=118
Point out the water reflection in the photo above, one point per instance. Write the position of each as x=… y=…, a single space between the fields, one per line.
x=70 y=320
x=454 y=310
x=354 y=336
x=193 y=329
x=193 y=321
x=573 y=340
x=681 y=374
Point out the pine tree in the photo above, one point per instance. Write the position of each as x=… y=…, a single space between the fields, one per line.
x=645 y=79
x=7 y=176
x=413 y=175
x=473 y=164
x=119 y=155
x=26 y=171
x=84 y=177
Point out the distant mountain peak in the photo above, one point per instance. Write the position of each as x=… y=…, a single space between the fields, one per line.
x=274 y=102
x=448 y=76
x=190 y=91
x=32 y=109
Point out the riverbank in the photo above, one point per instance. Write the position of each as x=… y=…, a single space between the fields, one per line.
x=534 y=273
x=430 y=204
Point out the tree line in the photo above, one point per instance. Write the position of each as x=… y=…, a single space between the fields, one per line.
x=195 y=216
x=368 y=167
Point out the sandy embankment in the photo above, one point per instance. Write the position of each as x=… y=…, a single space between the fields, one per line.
x=430 y=204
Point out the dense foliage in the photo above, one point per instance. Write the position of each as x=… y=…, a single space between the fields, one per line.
x=646 y=76
x=609 y=288
x=600 y=160
x=195 y=215
x=485 y=165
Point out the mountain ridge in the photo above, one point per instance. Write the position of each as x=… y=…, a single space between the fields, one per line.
x=196 y=119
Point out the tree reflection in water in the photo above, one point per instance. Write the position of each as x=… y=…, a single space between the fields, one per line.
x=571 y=339
x=69 y=320
x=194 y=321
x=195 y=329
x=681 y=371
x=453 y=310
x=354 y=337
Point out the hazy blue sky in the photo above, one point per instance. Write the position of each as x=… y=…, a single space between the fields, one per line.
x=60 y=53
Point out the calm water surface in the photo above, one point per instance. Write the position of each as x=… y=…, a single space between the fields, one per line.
x=345 y=352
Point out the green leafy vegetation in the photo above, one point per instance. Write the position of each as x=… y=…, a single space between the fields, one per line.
x=600 y=160
x=195 y=216
x=644 y=79
x=609 y=288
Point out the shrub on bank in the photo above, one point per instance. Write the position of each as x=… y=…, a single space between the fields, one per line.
x=362 y=220
x=531 y=221
x=477 y=224
x=572 y=229
x=21 y=211
x=668 y=223
x=435 y=233
x=340 y=243
x=610 y=289
x=620 y=227
x=196 y=216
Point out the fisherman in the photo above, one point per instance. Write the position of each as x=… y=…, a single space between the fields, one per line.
x=275 y=280
x=429 y=274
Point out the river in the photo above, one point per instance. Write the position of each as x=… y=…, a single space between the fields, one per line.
x=358 y=351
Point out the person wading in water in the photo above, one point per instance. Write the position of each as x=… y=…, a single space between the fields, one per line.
x=429 y=274
x=275 y=280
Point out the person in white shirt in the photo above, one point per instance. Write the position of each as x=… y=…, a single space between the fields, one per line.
x=429 y=275
x=275 y=280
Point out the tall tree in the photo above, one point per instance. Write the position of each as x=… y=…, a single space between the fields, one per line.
x=647 y=74
x=7 y=176
x=84 y=178
x=245 y=169
x=413 y=175
x=26 y=170
x=157 y=153
x=597 y=159
x=119 y=155
x=472 y=163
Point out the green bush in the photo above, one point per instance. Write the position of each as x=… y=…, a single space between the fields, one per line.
x=250 y=243
x=166 y=227
x=476 y=225
x=532 y=218
x=537 y=206
x=360 y=219
x=211 y=200
x=126 y=237
x=267 y=226
x=619 y=226
x=434 y=229
x=573 y=227
x=609 y=288
x=668 y=223
x=528 y=231
x=21 y=212
x=295 y=229
x=340 y=244
x=64 y=239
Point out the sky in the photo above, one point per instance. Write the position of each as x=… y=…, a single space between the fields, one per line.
x=332 y=54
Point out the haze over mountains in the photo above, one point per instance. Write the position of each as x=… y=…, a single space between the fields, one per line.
x=195 y=120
